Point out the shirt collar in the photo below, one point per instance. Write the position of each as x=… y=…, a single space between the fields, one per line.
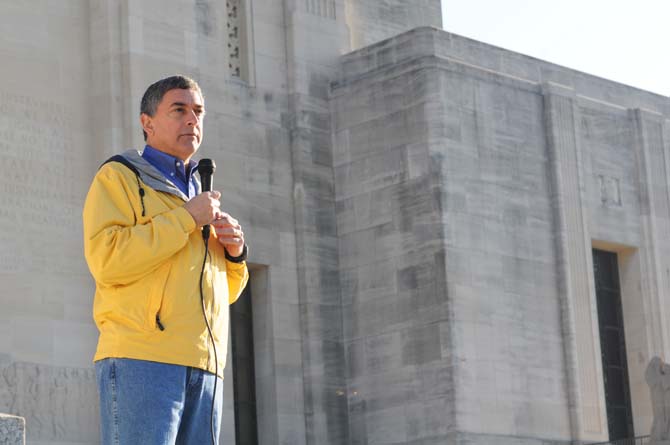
x=168 y=164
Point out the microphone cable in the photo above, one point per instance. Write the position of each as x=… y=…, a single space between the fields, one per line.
x=206 y=168
x=211 y=336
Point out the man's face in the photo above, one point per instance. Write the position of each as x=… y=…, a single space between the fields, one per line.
x=176 y=127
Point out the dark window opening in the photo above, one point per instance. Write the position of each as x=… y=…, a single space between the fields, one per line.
x=244 y=386
x=613 y=345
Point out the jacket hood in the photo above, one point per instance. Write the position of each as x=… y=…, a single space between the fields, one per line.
x=152 y=177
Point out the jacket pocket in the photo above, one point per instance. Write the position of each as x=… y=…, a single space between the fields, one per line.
x=156 y=294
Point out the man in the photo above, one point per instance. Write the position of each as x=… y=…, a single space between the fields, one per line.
x=159 y=290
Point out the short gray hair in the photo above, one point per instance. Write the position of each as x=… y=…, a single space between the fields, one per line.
x=154 y=94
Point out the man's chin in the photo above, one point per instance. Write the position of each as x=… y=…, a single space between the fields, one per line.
x=188 y=150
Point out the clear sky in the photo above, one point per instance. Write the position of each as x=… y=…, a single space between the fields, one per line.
x=627 y=41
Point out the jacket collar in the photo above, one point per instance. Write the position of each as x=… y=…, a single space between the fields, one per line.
x=152 y=177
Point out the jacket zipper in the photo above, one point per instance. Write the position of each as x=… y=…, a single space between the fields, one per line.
x=158 y=323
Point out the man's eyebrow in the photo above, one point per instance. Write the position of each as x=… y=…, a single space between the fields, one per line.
x=182 y=104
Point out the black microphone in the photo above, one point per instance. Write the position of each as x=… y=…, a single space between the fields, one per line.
x=206 y=169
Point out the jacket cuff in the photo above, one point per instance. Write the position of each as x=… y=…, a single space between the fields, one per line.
x=240 y=258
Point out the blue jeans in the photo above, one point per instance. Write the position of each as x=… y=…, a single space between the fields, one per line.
x=149 y=403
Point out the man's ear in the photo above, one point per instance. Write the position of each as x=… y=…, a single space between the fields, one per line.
x=147 y=124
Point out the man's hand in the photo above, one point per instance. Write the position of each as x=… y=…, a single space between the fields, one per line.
x=204 y=208
x=229 y=233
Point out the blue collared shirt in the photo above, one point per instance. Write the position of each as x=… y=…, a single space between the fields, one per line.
x=173 y=169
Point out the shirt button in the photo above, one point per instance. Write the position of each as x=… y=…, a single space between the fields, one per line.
x=171 y=174
x=178 y=164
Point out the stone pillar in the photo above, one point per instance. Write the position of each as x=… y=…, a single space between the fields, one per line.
x=580 y=325
x=12 y=430
x=110 y=65
x=316 y=36
x=391 y=186
x=654 y=213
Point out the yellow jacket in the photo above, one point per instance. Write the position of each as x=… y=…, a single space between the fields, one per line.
x=147 y=271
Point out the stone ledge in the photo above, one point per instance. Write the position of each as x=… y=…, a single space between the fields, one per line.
x=426 y=41
x=12 y=430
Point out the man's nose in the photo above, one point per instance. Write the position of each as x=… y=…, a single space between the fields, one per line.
x=192 y=118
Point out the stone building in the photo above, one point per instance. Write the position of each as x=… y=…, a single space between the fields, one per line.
x=451 y=242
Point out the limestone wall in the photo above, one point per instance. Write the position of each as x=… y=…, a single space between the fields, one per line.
x=487 y=177
x=420 y=212
x=392 y=257
x=70 y=93
x=72 y=78
x=371 y=21
x=46 y=332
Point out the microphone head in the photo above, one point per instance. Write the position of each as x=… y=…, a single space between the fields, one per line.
x=206 y=167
